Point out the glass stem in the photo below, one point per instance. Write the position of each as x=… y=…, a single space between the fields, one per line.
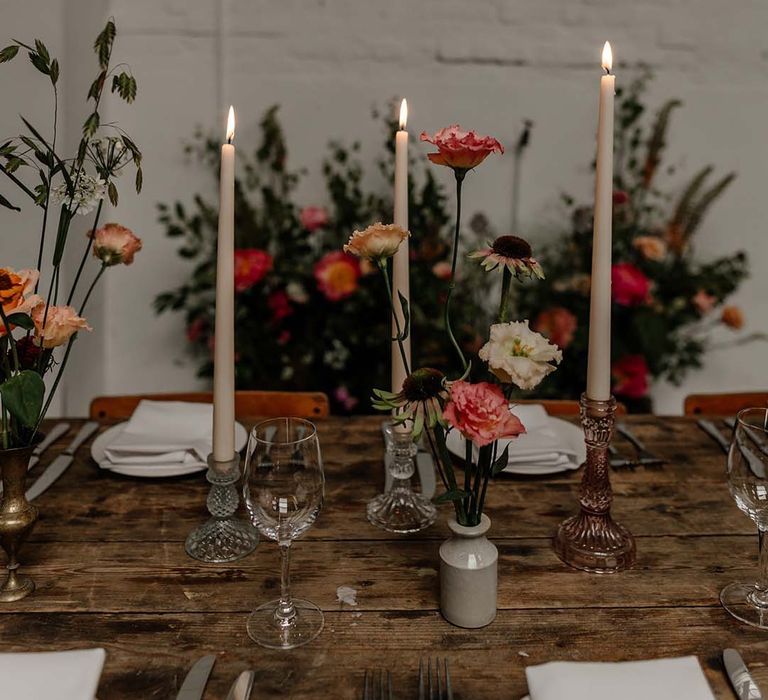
x=286 y=612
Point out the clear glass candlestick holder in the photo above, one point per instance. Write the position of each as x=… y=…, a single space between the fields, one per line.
x=401 y=509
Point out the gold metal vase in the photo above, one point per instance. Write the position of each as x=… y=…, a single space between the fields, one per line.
x=17 y=518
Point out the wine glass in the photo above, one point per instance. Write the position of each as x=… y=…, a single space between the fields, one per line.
x=748 y=484
x=283 y=489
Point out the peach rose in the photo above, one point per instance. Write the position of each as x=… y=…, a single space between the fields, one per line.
x=461 y=150
x=481 y=413
x=650 y=247
x=61 y=323
x=114 y=244
x=733 y=317
x=377 y=242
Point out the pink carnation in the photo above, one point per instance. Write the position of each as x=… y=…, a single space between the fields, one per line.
x=481 y=413
x=461 y=150
x=313 y=218
x=630 y=286
x=114 y=244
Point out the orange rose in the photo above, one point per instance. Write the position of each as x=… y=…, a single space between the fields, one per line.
x=16 y=292
x=61 y=323
x=733 y=317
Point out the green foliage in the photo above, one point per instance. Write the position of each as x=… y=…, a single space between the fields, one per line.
x=668 y=330
x=290 y=335
x=23 y=396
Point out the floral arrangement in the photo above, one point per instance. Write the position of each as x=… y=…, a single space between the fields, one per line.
x=32 y=324
x=666 y=302
x=295 y=283
x=432 y=404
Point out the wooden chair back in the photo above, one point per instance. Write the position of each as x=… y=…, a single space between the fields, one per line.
x=247 y=404
x=566 y=407
x=723 y=404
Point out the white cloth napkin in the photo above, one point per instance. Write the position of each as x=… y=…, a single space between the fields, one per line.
x=540 y=449
x=659 y=679
x=56 y=675
x=164 y=432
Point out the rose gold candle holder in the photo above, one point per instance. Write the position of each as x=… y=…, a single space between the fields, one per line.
x=591 y=540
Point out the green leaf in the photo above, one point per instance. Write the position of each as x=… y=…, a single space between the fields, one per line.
x=139 y=180
x=23 y=397
x=452 y=495
x=54 y=71
x=112 y=192
x=501 y=463
x=22 y=321
x=5 y=203
x=97 y=86
x=103 y=44
x=8 y=53
x=125 y=86
x=42 y=50
x=406 y=316
x=91 y=124
x=39 y=62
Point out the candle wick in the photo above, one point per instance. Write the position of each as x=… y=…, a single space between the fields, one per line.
x=229 y=140
x=607 y=70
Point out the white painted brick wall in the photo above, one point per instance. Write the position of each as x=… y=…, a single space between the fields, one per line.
x=485 y=63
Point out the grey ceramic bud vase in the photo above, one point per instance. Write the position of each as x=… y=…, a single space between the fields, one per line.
x=468 y=575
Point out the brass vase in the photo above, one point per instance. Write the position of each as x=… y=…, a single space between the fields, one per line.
x=17 y=518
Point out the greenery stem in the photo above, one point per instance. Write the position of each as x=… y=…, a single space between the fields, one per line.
x=11 y=339
x=452 y=284
x=87 y=250
x=90 y=289
x=19 y=183
x=506 y=283
x=50 y=176
x=384 y=271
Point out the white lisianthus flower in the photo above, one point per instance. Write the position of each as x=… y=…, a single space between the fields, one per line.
x=518 y=355
x=377 y=242
x=89 y=191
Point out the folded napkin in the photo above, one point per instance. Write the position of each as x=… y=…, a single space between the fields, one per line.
x=57 y=675
x=164 y=432
x=660 y=679
x=541 y=449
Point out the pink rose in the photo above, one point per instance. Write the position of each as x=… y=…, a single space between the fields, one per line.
x=251 y=266
x=114 y=244
x=630 y=376
x=337 y=274
x=280 y=305
x=481 y=413
x=558 y=324
x=61 y=323
x=630 y=285
x=461 y=150
x=313 y=218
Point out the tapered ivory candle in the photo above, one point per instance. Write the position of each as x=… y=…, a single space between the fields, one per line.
x=400 y=265
x=599 y=358
x=224 y=340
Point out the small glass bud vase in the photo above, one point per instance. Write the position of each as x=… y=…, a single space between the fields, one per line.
x=401 y=509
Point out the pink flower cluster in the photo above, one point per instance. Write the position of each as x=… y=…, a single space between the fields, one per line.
x=629 y=285
x=481 y=413
x=251 y=266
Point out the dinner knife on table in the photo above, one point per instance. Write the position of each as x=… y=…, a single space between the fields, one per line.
x=242 y=687
x=711 y=429
x=194 y=684
x=741 y=680
x=57 y=431
x=59 y=465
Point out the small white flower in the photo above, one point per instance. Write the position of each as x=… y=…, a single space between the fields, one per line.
x=296 y=293
x=336 y=357
x=518 y=355
x=89 y=191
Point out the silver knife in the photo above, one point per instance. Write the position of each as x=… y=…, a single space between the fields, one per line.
x=710 y=429
x=59 y=465
x=58 y=430
x=741 y=680
x=644 y=457
x=242 y=687
x=194 y=684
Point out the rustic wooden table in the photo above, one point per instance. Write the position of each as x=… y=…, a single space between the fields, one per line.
x=109 y=562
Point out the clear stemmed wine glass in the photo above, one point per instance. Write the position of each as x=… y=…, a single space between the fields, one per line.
x=748 y=483
x=283 y=489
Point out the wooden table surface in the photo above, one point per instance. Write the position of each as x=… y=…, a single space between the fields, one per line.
x=108 y=559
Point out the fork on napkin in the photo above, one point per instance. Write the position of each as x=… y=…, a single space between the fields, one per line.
x=660 y=679
x=164 y=432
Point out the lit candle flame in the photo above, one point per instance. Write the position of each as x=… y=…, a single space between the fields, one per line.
x=607 y=57
x=231 y=124
x=403 y=114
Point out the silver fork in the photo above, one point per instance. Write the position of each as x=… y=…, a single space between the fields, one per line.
x=381 y=690
x=437 y=687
